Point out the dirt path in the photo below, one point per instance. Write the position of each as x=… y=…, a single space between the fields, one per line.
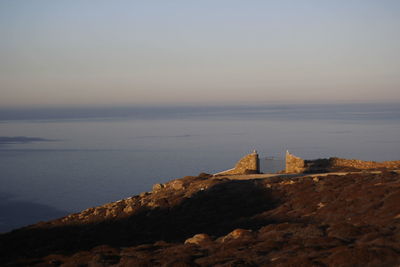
x=270 y=175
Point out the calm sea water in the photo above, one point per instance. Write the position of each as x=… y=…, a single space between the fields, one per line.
x=89 y=157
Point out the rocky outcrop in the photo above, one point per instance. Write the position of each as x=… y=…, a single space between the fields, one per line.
x=249 y=164
x=161 y=196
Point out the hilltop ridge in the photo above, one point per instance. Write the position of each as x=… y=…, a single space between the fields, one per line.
x=317 y=220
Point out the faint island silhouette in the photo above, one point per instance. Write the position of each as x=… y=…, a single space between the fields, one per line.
x=8 y=140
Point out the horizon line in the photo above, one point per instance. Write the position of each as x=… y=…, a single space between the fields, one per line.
x=190 y=105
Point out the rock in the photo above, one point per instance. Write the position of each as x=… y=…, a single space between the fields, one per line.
x=177 y=185
x=158 y=187
x=198 y=239
x=236 y=234
x=143 y=194
x=158 y=202
x=128 y=209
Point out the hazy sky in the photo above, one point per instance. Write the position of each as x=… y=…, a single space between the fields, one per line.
x=82 y=52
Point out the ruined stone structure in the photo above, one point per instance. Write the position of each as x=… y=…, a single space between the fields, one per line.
x=293 y=164
x=298 y=165
x=249 y=164
x=364 y=165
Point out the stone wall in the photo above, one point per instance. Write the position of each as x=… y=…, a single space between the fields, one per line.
x=293 y=164
x=363 y=165
x=298 y=165
x=246 y=165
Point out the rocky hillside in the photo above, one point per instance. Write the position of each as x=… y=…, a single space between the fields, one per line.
x=347 y=220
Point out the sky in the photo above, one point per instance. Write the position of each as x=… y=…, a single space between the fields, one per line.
x=209 y=52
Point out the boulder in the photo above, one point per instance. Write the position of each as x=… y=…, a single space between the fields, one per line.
x=157 y=187
x=198 y=239
x=177 y=185
x=236 y=234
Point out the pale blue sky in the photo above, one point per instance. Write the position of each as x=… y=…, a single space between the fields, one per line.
x=82 y=52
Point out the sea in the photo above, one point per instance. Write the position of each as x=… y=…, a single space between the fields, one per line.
x=56 y=161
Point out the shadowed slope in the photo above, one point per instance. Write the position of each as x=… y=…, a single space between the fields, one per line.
x=217 y=210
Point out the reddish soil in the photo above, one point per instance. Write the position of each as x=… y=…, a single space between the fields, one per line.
x=348 y=220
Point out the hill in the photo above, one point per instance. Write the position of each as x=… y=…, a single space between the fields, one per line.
x=350 y=219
